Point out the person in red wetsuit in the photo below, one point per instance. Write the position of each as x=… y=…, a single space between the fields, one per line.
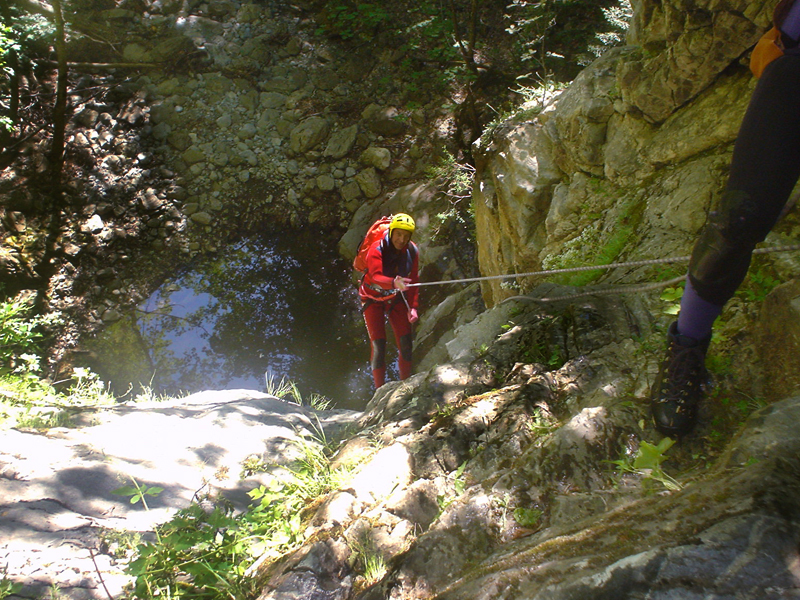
x=392 y=264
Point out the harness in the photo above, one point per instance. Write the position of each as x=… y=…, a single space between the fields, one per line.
x=390 y=297
x=380 y=291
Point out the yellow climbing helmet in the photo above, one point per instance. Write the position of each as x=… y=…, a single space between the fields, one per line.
x=402 y=221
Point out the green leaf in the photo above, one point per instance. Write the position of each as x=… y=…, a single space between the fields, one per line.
x=671 y=294
x=650 y=456
x=527 y=517
x=125 y=490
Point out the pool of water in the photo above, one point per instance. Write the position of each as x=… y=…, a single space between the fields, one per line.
x=279 y=306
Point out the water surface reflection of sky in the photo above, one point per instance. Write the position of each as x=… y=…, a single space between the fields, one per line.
x=284 y=307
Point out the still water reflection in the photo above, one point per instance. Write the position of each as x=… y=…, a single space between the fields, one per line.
x=280 y=305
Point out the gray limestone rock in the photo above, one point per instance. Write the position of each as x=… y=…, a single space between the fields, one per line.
x=369 y=182
x=309 y=134
x=380 y=158
x=341 y=142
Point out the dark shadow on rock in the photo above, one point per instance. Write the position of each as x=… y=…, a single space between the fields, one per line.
x=90 y=491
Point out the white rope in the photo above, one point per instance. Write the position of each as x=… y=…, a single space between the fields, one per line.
x=620 y=289
x=635 y=263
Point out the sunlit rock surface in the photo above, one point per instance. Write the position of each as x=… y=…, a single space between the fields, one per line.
x=57 y=488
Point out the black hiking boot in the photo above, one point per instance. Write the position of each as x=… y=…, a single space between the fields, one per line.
x=680 y=384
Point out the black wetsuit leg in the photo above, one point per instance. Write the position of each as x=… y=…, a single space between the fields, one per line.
x=764 y=169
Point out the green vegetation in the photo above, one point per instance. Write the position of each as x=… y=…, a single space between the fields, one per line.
x=118 y=542
x=368 y=560
x=466 y=42
x=758 y=284
x=672 y=296
x=26 y=398
x=138 y=493
x=208 y=553
x=542 y=422
x=527 y=517
x=732 y=407
x=647 y=463
x=354 y=20
x=545 y=354
x=600 y=242
x=459 y=485
x=550 y=47
x=285 y=389
x=200 y=553
x=9 y=48
x=8 y=587
x=454 y=180
x=24 y=36
x=21 y=335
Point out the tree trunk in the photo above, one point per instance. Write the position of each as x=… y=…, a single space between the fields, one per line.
x=60 y=109
x=468 y=50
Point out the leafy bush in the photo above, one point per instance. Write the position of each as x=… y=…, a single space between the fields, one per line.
x=21 y=335
x=350 y=19
x=26 y=399
x=562 y=37
x=22 y=37
x=647 y=463
x=8 y=46
x=209 y=554
x=454 y=180
x=8 y=587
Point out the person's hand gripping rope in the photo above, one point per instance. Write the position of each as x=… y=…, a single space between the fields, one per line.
x=401 y=283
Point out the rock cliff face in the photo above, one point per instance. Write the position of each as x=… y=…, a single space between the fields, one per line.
x=626 y=162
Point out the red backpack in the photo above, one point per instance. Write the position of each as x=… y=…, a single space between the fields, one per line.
x=376 y=231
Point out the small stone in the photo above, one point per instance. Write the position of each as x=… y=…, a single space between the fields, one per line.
x=150 y=201
x=202 y=218
x=369 y=182
x=326 y=183
x=95 y=224
x=111 y=315
x=380 y=158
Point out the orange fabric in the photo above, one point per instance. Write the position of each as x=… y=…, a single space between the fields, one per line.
x=768 y=48
x=376 y=232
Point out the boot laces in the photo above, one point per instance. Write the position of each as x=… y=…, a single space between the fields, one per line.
x=684 y=375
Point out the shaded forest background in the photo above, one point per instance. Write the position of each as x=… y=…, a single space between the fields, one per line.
x=485 y=57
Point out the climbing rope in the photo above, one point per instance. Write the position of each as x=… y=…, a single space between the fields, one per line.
x=610 y=266
x=620 y=289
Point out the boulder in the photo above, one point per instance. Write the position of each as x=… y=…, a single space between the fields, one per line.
x=369 y=182
x=341 y=142
x=380 y=158
x=309 y=134
x=383 y=120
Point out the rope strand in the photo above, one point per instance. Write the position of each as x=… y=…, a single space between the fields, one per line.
x=635 y=263
x=622 y=289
